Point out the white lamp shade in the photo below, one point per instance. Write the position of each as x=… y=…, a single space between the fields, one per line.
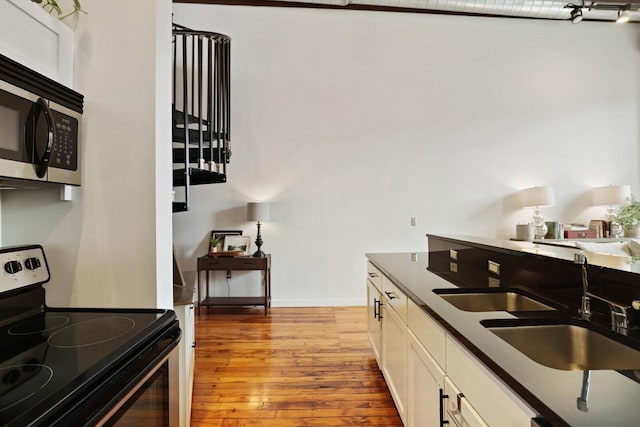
x=537 y=197
x=611 y=195
x=258 y=212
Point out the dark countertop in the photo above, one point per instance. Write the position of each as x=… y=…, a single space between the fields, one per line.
x=613 y=398
x=183 y=295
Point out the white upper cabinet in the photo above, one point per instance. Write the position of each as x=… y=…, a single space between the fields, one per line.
x=36 y=39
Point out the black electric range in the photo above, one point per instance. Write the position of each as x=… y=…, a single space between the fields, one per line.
x=68 y=366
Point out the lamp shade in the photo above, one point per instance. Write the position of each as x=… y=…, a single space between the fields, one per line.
x=611 y=195
x=537 y=197
x=258 y=211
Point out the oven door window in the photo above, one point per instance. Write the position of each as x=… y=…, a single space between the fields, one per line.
x=149 y=406
x=14 y=111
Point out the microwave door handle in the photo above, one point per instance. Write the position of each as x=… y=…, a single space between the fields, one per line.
x=42 y=164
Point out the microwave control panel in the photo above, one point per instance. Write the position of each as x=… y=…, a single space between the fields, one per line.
x=65 y=145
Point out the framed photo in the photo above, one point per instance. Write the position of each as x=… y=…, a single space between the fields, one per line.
x=217 y=237
x=237 y=243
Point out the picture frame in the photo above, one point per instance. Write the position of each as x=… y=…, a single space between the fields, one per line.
x=237 y=243
x=221 y=234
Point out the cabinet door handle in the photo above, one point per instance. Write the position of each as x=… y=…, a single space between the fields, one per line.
x=391 y=295
x=443 y=396
x=377 y=311
x=373 y=275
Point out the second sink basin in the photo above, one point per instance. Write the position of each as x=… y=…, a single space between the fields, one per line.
x=491 y=300
x=567 y=345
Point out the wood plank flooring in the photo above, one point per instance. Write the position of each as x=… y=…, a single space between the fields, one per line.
x=295 y=367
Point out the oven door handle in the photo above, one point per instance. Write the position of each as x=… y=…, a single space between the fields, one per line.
x=41 y=162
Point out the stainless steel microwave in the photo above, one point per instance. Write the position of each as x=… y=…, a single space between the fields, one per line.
x=40 y=122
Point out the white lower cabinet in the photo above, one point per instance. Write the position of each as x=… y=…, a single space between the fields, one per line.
x=425 y=381
x=374 y=319
x=485 y=390
x=421 y=363
x=185 y=314
x=394 y=357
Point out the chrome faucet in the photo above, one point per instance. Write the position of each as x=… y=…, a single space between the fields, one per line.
x=619 y=312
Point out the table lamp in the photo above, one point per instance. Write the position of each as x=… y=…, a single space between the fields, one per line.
x=257 y=211
x=537 y=198
x=611 y=196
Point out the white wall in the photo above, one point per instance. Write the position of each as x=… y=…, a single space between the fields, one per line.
x=352 y=122
x=111 y=246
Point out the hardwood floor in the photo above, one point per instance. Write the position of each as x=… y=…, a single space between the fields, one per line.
x=295 y=367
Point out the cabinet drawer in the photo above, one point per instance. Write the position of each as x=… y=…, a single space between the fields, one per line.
x=374 y=275
x=457 y=409
x=230 y=263
x=485 y=390
x=395 y=298
x=428 y=332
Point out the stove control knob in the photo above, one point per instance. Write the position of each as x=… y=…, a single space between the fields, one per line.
x=32 y=263
x=12 y=267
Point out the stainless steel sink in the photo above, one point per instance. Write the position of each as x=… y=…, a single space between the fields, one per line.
x=491 y=300
x=565 y=345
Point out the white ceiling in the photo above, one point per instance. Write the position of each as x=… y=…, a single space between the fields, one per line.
x=606 y=10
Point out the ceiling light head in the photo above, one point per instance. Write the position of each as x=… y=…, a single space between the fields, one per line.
x=624 y=14
x=576 y=15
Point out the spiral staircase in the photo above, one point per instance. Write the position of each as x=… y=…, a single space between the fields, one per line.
x=201 y=111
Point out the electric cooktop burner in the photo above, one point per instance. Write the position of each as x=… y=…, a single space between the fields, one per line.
x=12 y=378
x=91 y=332
x=38 y=324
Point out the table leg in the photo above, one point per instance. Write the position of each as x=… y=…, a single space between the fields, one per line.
x=265 y=290
x=269 y=285
x=198 y=292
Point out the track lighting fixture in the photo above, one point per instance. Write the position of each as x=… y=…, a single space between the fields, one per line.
x=601 y=9
x=576 y=14
x=623 y=14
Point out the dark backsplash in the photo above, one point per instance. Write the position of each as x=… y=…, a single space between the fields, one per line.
x=549 y=277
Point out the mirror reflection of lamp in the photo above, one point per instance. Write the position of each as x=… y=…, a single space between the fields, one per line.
x=537 y=198
x=611 y=196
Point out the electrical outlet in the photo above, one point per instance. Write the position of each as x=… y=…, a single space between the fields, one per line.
x=228 y=274
x=414 y=221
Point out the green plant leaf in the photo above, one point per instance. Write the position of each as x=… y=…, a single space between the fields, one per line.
x=629 y=214
x=52 y=6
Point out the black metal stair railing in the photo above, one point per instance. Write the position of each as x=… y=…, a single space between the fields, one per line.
x=201 y=110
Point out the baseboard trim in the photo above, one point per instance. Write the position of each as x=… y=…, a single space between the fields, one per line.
x=318 y=302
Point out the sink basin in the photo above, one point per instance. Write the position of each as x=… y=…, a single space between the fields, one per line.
x=567 y=345
x=491 y=300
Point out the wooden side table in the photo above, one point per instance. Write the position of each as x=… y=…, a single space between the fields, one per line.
x=207 y=263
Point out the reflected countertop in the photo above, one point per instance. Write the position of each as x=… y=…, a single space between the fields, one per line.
x=614 y=395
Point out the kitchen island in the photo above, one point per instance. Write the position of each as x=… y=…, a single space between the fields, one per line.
x=550 y=395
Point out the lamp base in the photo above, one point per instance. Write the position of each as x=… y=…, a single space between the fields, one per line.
x=259 y=254
x=539 y=227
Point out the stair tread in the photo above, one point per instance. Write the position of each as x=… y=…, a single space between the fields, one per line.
x=208 y=155
x=178 y=118
x=180 y=207
x=197 y=177
x=194 y=136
